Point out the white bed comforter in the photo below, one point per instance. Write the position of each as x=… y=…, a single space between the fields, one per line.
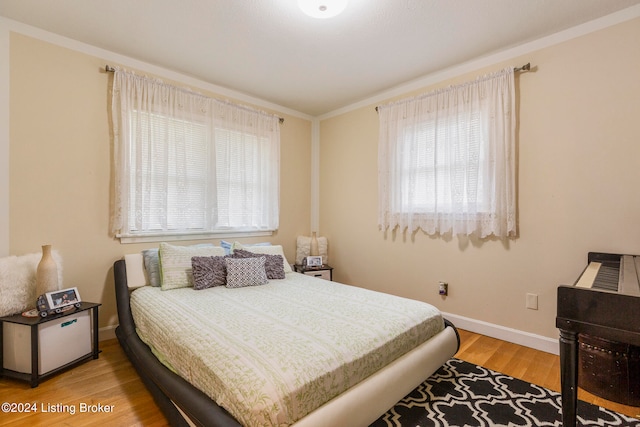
x=272 y=354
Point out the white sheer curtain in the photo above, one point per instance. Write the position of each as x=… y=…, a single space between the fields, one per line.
x=447 y=160
x=188 y=164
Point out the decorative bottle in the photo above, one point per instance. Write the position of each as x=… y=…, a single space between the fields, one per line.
x=314 y=245
x=46 y=273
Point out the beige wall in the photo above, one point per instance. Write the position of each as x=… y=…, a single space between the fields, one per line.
x=60 y=160
x=578 y=175
x=578 y=157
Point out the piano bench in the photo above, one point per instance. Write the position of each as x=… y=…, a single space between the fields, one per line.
x=609 y=369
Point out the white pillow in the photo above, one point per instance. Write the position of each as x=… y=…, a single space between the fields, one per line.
x=18 y=281
x=175 y=263
x=136 y=274
x=266 y=250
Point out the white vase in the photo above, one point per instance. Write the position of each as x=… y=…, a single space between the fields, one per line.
x=46 y=273
x=314 y=245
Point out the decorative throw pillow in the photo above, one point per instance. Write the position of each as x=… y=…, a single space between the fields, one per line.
x=243 y=272
x=175 y=263
x=228 y=246
x=208 y=271
x=18 y=281
x=273 y=265
x=266 y=250
x=303 y=248
x=152 y=263
x=152 y=266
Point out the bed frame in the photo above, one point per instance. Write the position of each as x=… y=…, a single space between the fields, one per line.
x=185 y=405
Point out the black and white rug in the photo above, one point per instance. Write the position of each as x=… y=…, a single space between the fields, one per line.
x=463 y=394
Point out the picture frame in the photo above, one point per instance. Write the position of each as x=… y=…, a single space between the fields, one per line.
x=63 y=298
x=314 y=261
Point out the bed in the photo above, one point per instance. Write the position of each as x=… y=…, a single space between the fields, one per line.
x=343 y=383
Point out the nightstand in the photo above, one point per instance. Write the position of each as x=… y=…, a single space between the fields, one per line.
x=323 y=272
x=34 y=348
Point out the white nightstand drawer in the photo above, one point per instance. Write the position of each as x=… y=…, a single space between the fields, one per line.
x=60 y=341
x=321 y=274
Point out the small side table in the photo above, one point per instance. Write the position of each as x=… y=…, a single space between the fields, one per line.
x=323 y=272
x=36 y=324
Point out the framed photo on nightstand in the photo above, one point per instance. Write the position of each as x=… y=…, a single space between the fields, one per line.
x=314 y=261
x=63 y=298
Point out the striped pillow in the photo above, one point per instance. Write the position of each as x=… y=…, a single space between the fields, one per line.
x=175 y=263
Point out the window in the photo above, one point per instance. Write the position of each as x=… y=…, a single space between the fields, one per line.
x=430 y=168
x=446 y=160
x=190 y=166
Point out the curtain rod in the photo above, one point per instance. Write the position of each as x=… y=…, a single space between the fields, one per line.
x=525 y=67
x=109 y=69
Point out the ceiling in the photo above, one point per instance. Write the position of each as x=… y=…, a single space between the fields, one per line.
x=269 y=50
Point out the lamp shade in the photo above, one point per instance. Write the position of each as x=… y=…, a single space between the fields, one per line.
x=322 y=8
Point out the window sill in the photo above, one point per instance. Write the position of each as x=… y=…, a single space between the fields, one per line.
x=145 y=238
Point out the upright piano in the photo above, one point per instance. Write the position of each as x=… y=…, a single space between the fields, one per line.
x=604 y=302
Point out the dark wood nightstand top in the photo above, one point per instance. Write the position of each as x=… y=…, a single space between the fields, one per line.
x=30 y=321
x=303 y=269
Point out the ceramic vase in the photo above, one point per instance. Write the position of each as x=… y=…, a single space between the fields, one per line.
x=46 y=273
x=314 y=245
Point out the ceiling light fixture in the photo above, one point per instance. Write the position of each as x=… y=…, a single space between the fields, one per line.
x=322 y=8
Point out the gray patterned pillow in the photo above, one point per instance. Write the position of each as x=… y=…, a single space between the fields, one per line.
x=274 y=264
x=208 y=271
x=152 y=265
x=245 y=272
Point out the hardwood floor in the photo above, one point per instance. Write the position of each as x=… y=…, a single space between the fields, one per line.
x=111 y=382
x=530 y=365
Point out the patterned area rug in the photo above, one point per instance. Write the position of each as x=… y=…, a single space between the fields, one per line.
x=462 y=394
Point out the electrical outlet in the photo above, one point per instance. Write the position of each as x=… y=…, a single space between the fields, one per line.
x=532 y=301
x=443 y=288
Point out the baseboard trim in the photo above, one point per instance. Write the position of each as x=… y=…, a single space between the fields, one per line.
x=107 y=333
x=515 y=336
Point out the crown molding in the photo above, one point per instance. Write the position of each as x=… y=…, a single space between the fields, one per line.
x=489 y=60
x=128 y=62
